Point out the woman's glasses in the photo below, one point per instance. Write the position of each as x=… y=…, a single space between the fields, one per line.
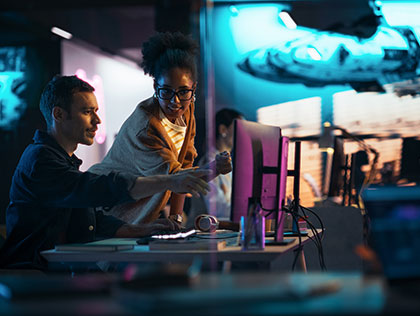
x=168 y=94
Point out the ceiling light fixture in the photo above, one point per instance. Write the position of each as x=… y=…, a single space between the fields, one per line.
x=61 y=32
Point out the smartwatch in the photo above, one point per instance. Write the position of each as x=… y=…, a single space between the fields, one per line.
x=176 y=217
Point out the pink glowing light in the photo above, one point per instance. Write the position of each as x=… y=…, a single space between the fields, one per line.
x=97 y=83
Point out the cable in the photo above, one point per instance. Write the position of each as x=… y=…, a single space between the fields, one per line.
x=269 y=212
x=286 y=209
x=316 y=238
x=299 y=248
x=318 y=218
x=318 y=242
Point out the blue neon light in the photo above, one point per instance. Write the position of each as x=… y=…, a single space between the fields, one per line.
x=12 y=85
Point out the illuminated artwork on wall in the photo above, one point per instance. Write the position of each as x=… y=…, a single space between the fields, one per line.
x=265 y=50
x=318 y=58
x=12 y=86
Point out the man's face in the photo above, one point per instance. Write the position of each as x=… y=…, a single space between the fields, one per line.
x=81 y=124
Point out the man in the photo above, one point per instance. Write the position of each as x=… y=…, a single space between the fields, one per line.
x=51 y=201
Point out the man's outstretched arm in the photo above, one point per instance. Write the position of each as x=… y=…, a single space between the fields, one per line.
x=187 y=181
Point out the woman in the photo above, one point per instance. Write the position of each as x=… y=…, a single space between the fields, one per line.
x=158 y=137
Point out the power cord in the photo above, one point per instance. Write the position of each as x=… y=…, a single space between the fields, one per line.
x=299 y=249
x=317 y=236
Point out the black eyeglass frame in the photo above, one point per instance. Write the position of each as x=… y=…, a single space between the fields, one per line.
x=159 y=88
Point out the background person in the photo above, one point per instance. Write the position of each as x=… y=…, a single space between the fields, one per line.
x=221 y=187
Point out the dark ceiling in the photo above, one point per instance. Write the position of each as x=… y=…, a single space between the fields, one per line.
x=117 y=30
x=116 y=26
x=120 y=26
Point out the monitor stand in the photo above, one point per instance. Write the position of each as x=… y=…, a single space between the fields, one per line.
x=272 y=242
x=295 y=173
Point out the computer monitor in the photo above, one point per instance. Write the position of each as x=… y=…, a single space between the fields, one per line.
x=259 y=171
x=336 y=180
x=410 y=159
x=394 y=230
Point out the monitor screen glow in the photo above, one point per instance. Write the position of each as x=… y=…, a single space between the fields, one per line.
x=255 y=159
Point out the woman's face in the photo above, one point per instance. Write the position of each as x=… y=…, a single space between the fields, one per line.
x=175 y=91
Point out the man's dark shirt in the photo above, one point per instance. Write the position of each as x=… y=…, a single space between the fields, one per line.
x=51 y=202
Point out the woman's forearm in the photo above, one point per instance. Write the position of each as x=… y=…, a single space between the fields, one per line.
x=177 y=203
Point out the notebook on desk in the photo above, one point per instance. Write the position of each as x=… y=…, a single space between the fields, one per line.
x=394 y=214
x=89 y=247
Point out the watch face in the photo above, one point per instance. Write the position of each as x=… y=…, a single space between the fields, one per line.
x=176 y=218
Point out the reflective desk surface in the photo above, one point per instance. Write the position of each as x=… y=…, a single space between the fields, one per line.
x=141 y=253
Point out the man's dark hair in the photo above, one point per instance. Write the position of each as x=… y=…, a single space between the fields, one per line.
x=59 y=92
x=165 y=51
x=226 y=117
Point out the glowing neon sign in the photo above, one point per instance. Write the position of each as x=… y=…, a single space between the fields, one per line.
x=13 y=85
x=97 y=83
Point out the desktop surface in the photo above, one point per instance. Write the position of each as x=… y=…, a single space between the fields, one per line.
x=193 y=235
x=142 y=253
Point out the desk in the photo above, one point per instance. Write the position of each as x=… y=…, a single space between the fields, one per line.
x=143 y=254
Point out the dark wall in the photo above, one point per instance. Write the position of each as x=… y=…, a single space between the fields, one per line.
x=42 y=63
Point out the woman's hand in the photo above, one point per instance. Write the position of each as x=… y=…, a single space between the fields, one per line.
x=223 y=163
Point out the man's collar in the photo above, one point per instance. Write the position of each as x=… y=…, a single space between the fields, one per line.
x=42 y=137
